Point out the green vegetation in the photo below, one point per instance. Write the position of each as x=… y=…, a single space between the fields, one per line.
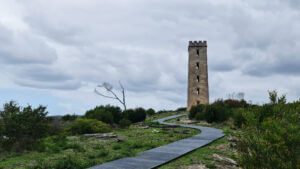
x=66 y=150
x=21 y=128
x=87 y=126
x=271 y=135
x=266 y=136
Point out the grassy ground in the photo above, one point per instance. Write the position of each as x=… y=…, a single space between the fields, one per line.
x=206 y=157
x=94 y=151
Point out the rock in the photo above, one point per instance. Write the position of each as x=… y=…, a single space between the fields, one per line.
x=155 y=131
x=144 y=127
x=225 y=159
x=197 y=166
x=232 y=139
x=232 y=144
x=101 y=135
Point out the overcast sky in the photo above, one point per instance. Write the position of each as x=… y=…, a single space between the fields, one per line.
x=55 y=52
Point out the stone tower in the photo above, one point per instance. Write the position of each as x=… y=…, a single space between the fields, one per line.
x=197 y=74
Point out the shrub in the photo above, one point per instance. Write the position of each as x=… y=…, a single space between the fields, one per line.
x=86 y=126
x=196 y=109
x=238 y=118
x=271 y=136
x=137 y=115
x=69 y=117
x=150 y=112
x=56 y=126
x=181 y=109
x=124 y=123
x=216 y=112
x=22 y=127
x=107 y=114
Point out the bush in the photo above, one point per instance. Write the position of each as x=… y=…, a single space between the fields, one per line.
x=56 y=126
x=22 y=128
x=88 y=126
x=69 y=117
x=271 y=136
x=107 y=114
x=150 y=112
x=181 y=109
x=216 y=112
x=196 y=109
x=137 y=115
x=124 y=123
x=238 y=118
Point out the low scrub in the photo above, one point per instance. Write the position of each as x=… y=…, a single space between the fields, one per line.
x=87 y=126
x=67 y=162
x=271 y=136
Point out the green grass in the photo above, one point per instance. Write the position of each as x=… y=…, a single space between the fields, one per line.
x=97 y=151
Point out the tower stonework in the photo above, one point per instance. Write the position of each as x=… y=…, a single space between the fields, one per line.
x=198 y=92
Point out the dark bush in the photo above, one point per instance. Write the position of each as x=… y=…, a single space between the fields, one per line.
x=22 y=127
x=238 y=117
x=124 y=123
x=136 y=115
x=107 y=114
x=181 y=109
x=87 y=126
x=150 y=112
x=69 y=117
x=100 y=113
x=216 y=112
x=196 y=109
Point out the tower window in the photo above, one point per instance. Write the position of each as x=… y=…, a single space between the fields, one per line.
x=198 y=102
x=198 y=91
x=197 y=52
x=198 y=79
x=197 y=65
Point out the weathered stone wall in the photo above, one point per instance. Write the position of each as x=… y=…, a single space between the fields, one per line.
x=198 y=92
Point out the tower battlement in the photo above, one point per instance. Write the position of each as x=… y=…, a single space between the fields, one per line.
x=197 y=44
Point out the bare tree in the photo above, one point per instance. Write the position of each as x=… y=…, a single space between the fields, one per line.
x=112 y=95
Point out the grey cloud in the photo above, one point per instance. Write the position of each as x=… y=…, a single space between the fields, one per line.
x=45 y=77
x=66 y=85
x=22 y=48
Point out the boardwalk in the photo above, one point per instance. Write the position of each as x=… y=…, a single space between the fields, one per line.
x=161 y=155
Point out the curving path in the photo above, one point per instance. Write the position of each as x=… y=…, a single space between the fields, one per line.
x=164 y=154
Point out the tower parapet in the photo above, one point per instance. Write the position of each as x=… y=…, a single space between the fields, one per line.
x=197 y=44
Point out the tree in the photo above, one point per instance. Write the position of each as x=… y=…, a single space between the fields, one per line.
x=112 y=95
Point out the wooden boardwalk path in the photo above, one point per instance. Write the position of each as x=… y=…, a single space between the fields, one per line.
x=164 y=154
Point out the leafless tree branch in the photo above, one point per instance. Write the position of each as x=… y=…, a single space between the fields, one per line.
x=109 y=88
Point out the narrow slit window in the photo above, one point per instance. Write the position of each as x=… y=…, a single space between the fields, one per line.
x=198 y=91
x=197 y=52
x=197 y=65
x=198 y=79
